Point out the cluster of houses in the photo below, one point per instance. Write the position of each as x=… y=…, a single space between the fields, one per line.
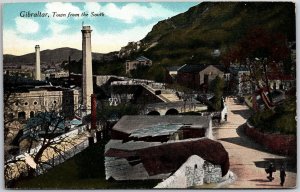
x=236 y=77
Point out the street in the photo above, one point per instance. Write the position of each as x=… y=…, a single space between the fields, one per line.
x=248 y=159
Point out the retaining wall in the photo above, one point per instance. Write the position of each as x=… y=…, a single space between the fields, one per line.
x=277 y=143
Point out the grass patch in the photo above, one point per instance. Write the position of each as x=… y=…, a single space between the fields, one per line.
x=84 y=171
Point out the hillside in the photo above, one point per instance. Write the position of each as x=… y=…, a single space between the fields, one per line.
x=193 y=36
x=52 y=56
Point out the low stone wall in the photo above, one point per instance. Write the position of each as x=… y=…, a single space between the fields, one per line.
x=277 y=143
x=194 y=172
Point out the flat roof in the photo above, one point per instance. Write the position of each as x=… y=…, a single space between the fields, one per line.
x=130 y=124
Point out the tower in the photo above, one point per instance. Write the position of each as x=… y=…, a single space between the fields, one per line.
x=87 y=73
x=37 y=63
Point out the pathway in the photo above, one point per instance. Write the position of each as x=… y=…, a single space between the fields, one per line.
x=247 y=158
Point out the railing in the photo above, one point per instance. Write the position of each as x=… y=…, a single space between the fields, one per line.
x=56 y=160
x=51 y=161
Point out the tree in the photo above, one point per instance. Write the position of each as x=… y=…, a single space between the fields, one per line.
x=262 y=52
x=217 y=87
x=140 y=72
x=43 y=138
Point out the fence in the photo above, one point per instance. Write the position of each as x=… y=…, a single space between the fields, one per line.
x=52 y=161
x=56 y=160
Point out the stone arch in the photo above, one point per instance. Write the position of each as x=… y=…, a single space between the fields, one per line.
x=153 y=113
x=172 y=112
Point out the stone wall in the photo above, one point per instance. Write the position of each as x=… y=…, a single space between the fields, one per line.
x=194 y=172
x=277 y=143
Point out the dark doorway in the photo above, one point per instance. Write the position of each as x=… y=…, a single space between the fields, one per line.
x=31 y=114
x=22 y=115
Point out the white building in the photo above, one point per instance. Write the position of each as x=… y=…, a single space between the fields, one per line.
x=26 y=102
x=140 y=61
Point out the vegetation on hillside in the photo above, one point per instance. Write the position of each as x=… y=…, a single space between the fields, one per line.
x=214 y=25
x=192 y=37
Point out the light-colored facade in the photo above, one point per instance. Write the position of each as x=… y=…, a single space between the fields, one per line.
x=87 y=73
x=26 y=104
x=210 y=73
x=140 y=61
x=37 y=63
x=57 y=74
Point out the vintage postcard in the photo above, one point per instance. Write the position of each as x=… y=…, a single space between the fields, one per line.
x=149 y=95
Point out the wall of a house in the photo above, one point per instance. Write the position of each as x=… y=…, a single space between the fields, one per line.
x=194 y=172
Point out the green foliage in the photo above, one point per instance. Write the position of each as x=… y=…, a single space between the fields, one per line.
x=217 y=87
x=216 y=25
x=106 y=112
x=90 y=162
x=285 y=123
x=157 y=73
x=83 y=171
x=261 y=119
x=140 y=72
x=281 y=120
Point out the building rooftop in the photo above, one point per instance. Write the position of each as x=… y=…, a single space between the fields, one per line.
x=197 y=68
x=192 y=68
x=131 y=124
x=168 y=157
x=142 y=58
x=173 y=68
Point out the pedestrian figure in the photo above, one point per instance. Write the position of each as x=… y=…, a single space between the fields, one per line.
x=270 y=171
x=282 y=175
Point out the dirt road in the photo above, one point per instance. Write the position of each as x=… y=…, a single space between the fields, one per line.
x=248 y=159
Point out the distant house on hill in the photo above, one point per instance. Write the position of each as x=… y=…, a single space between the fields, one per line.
x=140 y=61
x=198 y=76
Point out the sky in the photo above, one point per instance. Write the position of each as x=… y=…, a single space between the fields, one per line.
x=122 y=22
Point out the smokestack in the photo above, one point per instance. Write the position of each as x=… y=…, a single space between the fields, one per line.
x=69 y=67
x=87 y=73
x=93 y=112
x=37 y=63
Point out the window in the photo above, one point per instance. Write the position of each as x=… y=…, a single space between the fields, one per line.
x=35 y=103
x=22 y=115
x=26 y=103
x=31 y=114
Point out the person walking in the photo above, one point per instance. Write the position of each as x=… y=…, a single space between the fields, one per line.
x=270 y=171
x=282 y=175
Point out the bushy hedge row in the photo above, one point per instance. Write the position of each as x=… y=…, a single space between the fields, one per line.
x=281 y=120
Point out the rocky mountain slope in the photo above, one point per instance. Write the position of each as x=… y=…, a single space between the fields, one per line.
x=207 y=30
x=52 y=56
